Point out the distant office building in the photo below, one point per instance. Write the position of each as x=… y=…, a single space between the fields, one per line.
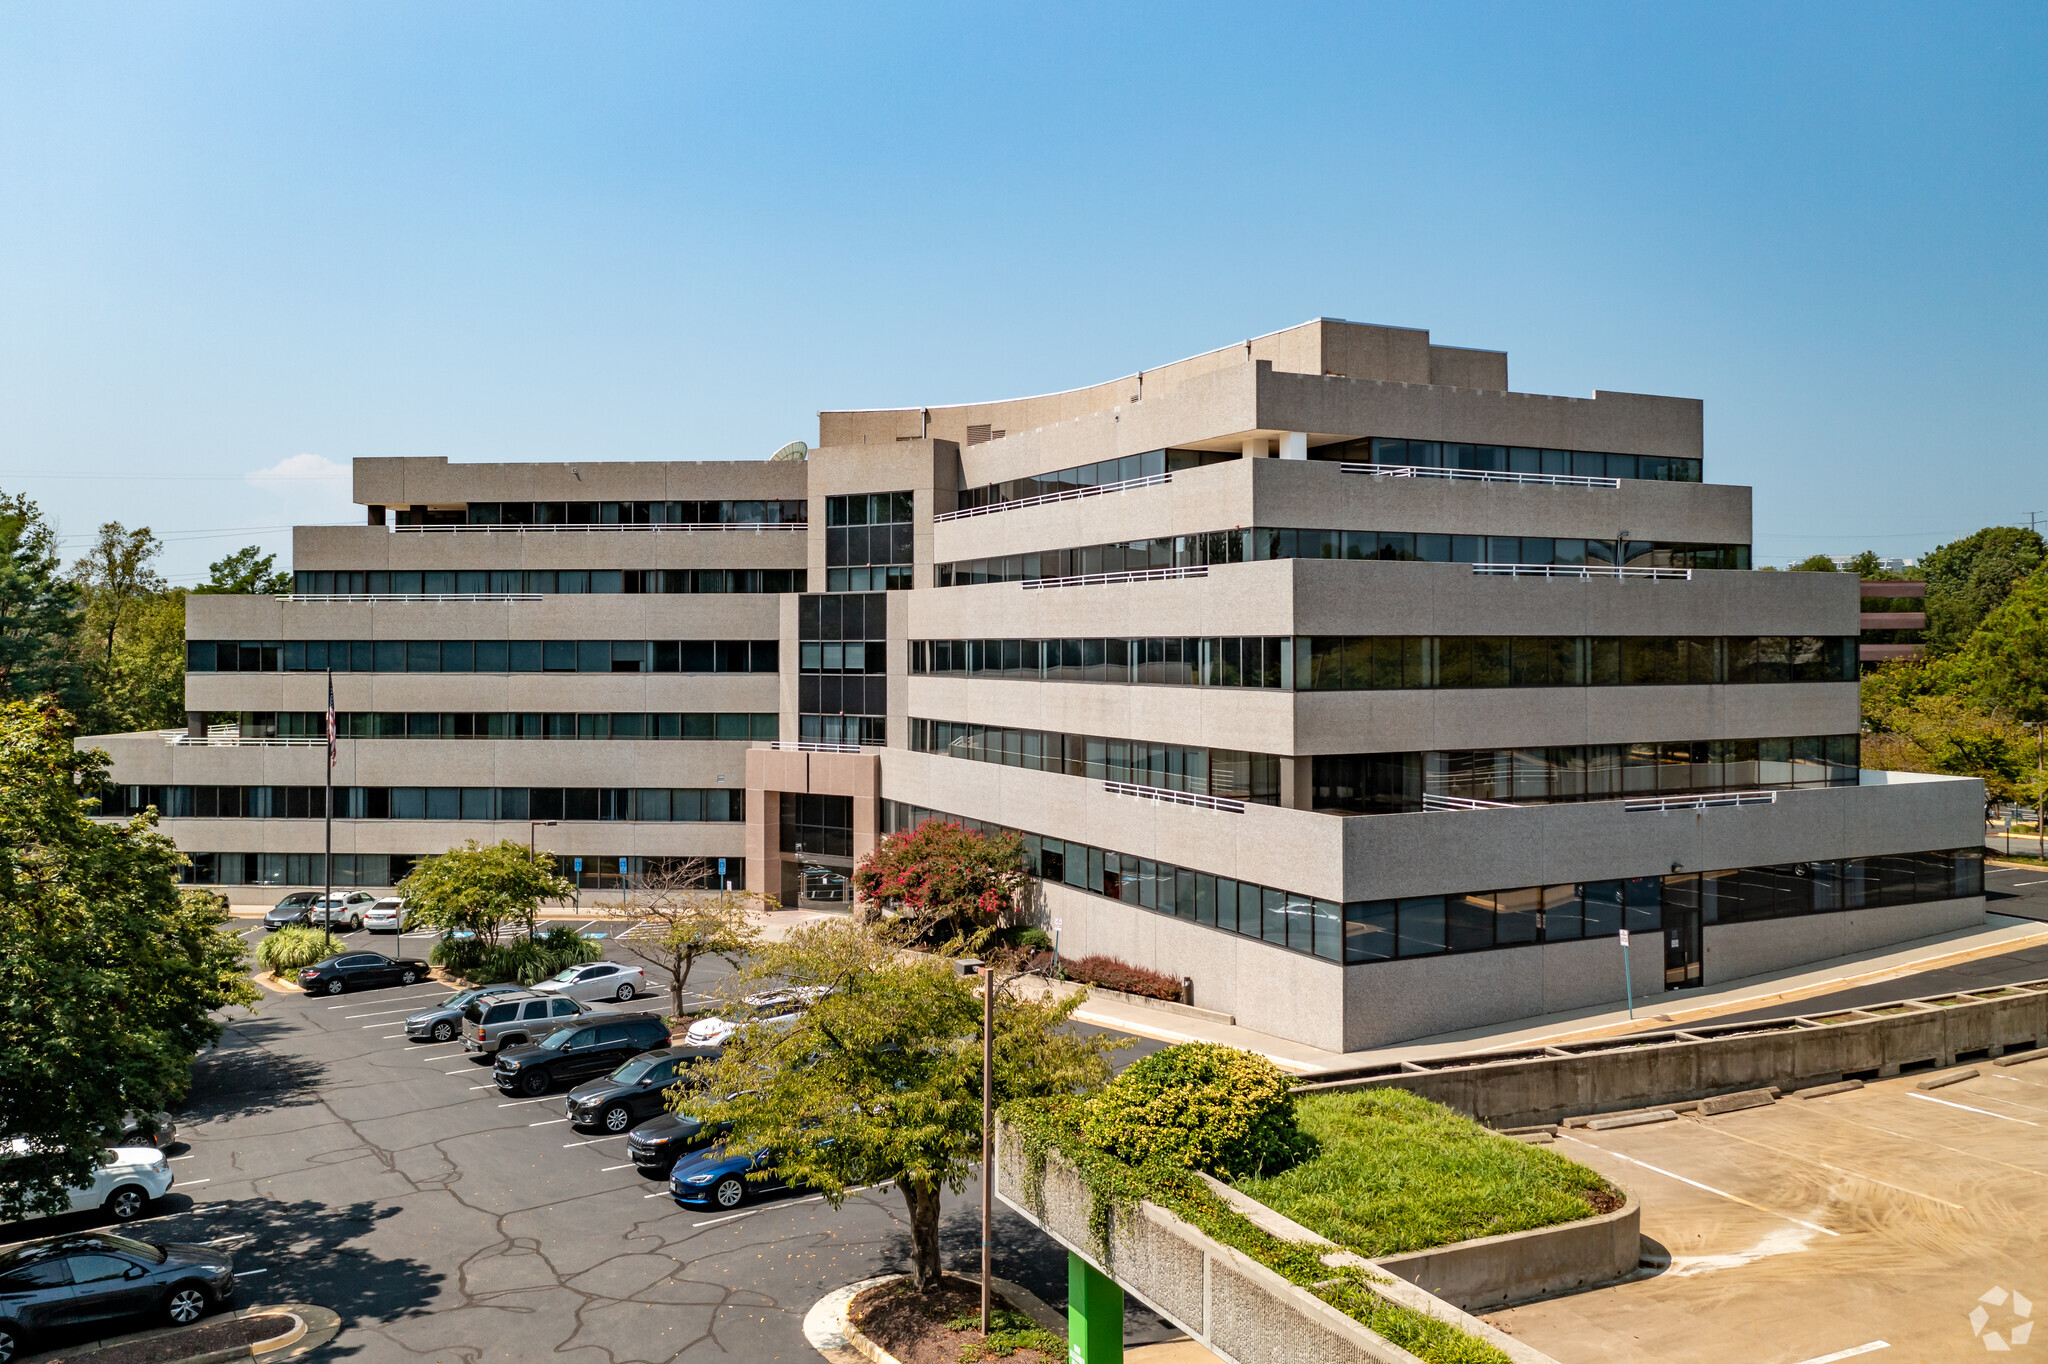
x=1323 y=669
x=1888 y=634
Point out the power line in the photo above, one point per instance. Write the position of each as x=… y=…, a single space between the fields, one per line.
x=257 y=477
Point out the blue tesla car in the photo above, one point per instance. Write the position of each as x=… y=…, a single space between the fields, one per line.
x=716 y=1178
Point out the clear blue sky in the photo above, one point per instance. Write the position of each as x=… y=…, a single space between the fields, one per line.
x=235 y=237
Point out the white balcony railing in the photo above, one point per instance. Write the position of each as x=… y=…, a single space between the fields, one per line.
x=177 y=738
x=1136 y=575
x=1479 y=475
x=810 y=746
x=408 y=596
x=1064 y=495
x=1161 y=794
x=1678 y=575
x=486 y=529
x=1432 y=801
x=1707 y=801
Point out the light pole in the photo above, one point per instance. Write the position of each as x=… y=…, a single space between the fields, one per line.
x=989 y=990
x=532 y=826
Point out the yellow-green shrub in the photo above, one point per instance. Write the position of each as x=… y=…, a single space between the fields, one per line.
x=1201 y=1106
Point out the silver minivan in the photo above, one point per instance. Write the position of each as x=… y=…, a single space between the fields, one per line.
x=508 y=1020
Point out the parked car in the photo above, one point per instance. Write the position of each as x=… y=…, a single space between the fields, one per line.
x=359 y=970
x=770 y=1006
x=294 y=908
x=655 y=1145
x=514 y=1019
x=597 y=980
x=385 y=916
x=595 y=1046
x=444 y=1020
x=341 y=910
x=716 y=1178
x=158 y=1129
x=98 y=1276
x=638 y=1089
x=128 y=1180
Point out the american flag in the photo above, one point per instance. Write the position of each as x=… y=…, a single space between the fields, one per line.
x=330 y=719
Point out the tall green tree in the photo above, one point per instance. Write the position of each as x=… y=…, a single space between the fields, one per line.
x=108 y=973
x=2010 y=654
x=38 y=611
x=131 y=616
x=247 y=572
x=881 y=1079
x=481 y=887
x=1968 y=578
x=1815 y=563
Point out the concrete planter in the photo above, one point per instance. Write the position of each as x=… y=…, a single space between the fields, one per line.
x=1499 y=1271
x=1234 y=1306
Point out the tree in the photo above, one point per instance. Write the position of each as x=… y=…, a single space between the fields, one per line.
x=248 y=572
x=113 y=574
x=947 y=882
x=1968 y=578
x=1815 y=563
x=480 y=887
x=108 y=973
x=681 y=922
x=38 y=611
x=2010 y=650
x=881 y=1079
x=1865 y=565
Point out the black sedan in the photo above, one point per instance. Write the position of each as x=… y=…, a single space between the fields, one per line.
x=68 y=1281
x=655 y=1145
x=597 y=1045
x=636 y=1090
x=356 y=970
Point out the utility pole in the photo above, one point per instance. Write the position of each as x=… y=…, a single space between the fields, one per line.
x=988 y=1127
x=327 y=858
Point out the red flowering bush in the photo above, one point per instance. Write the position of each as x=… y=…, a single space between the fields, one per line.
x=944 y=881
x=1112 y=974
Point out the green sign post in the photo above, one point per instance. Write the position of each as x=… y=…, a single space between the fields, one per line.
x=1095 y=1315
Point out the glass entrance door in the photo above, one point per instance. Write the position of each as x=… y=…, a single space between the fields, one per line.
x=1681 y=947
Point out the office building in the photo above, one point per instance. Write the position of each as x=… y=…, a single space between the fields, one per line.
x=1324 y=670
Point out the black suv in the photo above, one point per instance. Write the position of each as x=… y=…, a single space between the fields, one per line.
x=635 y=1090
x=657 y=1144
x=577 y=1052
x=68 y=1281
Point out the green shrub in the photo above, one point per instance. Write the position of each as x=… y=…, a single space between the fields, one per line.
x=289 y=949
x=1201 y=1106
x=525 y=960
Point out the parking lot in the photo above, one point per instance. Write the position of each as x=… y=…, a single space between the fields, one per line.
x=443 y=1220
x=1867 y=1224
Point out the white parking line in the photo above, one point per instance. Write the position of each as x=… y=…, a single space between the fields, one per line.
x=187 y=1156
x=457 y=1072
x=248 y=1273
x=348 y=1018
x=732 y=1217
x=1873 y=1346
x=393 y=1037
x=1708 y=1188
x=357 y=1003
x=659 y=1193
x=549 y=1123
x=1967 y=1109
x=618 y=1136
x=516 y=1102
x=609 y=1168
x=186 y=1184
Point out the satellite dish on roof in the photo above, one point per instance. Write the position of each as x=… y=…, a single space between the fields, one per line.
x=795 y=451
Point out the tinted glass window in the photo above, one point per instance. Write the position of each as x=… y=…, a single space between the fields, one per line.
x=43 y=1274
x=537 y=1008
x=87 y=1269
x=609 y=1033
x=562 y=1008
x=500 y=1013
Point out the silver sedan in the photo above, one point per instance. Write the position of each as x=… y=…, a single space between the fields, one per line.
x=597 y=980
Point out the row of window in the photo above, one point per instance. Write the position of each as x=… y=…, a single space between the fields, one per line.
x=842 y=694
x=1363 y=931
x=851 y=656
x=844 y=729
x=687 y=804
x=827 y=617
x=1516 y=459
x=811 y=823
x=1395 y=662
x=1228 y=772
x=1148 y=465
x=397 y=724
x=388 y=869
x=701 y=513
x=876 y=578
x=1396 y=783
x=869 y=509
x=571 y=581
x=1256 y=543
x=484 y=655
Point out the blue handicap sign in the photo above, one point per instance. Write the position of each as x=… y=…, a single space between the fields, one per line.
x=721 y=866
x=593 y=935
x=579 y=864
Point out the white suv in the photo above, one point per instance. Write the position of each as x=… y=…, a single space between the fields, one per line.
x=341 y=910
x=128 y=1180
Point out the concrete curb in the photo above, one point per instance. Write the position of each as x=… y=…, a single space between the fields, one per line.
x=829 y=1333
x=311 y=1328
x=1943 y=1081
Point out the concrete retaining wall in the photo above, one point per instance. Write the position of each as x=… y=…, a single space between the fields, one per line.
x=1544 y=1085
x=1231 y=1304
x=1496 y=1271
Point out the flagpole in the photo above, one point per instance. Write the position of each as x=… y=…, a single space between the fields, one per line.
x=327 y=860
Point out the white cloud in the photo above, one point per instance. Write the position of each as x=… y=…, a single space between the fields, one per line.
x=302 y=473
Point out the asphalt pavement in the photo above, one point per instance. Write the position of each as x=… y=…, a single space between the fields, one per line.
x=391 y=1181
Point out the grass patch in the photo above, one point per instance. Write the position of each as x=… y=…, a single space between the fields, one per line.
x=1397 y=1173
x=1117 y=1188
